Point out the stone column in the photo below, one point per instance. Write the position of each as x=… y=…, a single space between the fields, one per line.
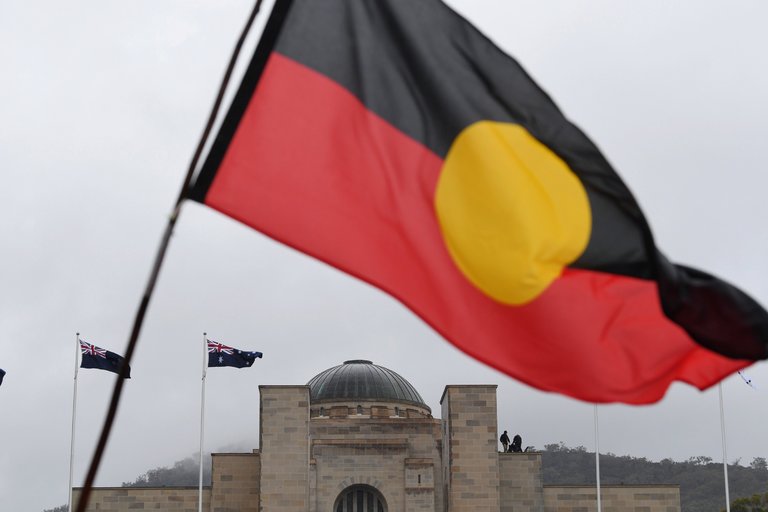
x=235 y=482
x=521 y=481
x=469 y=448
x=284 y=447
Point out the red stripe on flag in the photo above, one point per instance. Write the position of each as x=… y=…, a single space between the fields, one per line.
x=312 y=167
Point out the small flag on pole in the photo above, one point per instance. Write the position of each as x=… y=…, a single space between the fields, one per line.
x=222 y=355
x=96 y=357
x=746 y=379
x=2 y=374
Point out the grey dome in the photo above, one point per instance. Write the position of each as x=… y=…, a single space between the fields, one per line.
x=359 y=379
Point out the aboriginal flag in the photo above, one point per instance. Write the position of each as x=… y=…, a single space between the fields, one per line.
x=395 y=142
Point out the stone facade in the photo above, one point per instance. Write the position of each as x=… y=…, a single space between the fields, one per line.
x=470 y=448
x=346 y=445
x=236 y=480
x=378 y=452
x=520 y=482
x=284 y=420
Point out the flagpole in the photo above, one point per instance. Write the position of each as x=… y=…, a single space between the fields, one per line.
x=202 y=423
x=74 y=410
x=725 y=455
x=597 y=461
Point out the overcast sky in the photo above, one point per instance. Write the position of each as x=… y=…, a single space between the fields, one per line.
x=102 y=104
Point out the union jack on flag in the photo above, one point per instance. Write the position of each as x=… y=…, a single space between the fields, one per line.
x=93 y=350
x=222 y=355
x=218 y=347
x=101 y=359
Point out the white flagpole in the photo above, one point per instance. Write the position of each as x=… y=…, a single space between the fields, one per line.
x=597 y=461
x=202 y=422
x=74 y=409
x=725 y=455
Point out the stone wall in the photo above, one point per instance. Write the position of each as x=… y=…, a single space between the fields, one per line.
x=235 y=478
x=613 y=498
x=420 y=485
x=131 y=499
x=284 y=434
x=398 y=457
x=520 y=481
x=340 y=464
x=469 y=414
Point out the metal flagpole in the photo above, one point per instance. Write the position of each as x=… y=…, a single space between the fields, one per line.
x=597 y=460
x=74 y=409
x=202 y=422
x=725 y=455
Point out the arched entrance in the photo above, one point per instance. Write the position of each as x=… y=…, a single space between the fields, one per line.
x=360 y=498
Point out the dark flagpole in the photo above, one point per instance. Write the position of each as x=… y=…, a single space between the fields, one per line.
x=162 y=249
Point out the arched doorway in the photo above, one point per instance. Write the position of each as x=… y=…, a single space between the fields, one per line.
x=360 y=498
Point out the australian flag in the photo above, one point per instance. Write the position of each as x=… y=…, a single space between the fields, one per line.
x=2 y=374
x=222 y=355
x=95 y=357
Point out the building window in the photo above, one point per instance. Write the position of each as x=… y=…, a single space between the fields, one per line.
x=360 y=498
x=322 y=411
x=359 y=409
x=397 y=411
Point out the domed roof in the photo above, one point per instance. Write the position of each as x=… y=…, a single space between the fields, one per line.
x=361 y=379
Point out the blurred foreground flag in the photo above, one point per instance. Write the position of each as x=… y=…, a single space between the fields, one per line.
x=2 y=375
x=95 y=357
x=395 y=142
x=222 y=355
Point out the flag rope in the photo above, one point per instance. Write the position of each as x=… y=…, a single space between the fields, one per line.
x=161 y=251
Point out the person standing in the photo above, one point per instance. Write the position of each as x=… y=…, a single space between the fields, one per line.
x=504 y=441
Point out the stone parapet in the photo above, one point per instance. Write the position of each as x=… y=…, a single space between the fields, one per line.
x=613 y=498
x=131 y=499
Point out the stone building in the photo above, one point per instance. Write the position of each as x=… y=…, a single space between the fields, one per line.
x=359 y=438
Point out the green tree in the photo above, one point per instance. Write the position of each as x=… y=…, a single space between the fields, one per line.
x=700 y=460
x=755 y=503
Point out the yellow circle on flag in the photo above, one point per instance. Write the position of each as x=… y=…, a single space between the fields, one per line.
x=512 y=213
